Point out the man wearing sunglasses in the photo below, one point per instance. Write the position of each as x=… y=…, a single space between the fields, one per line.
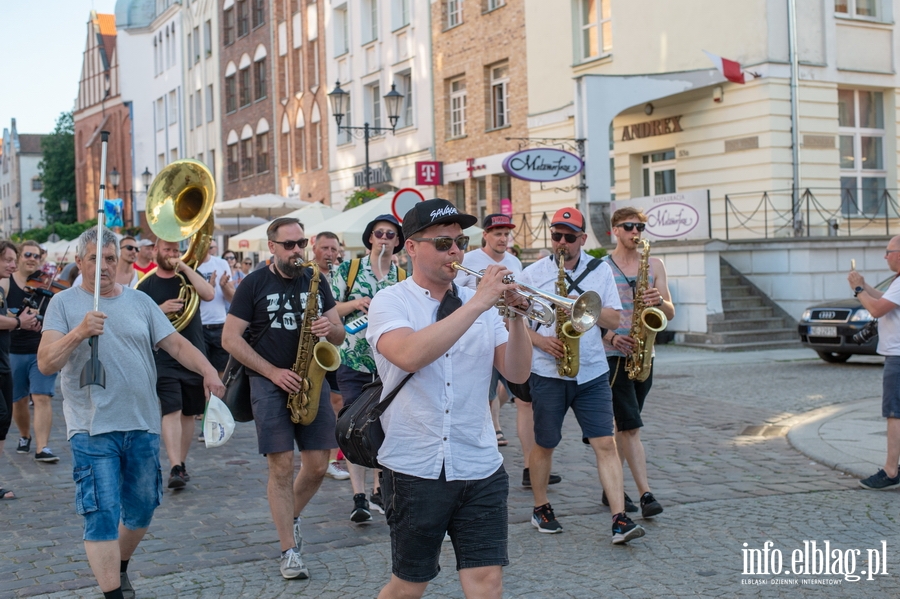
x=270 y=305
x=588 y=394
x=628 y=395
x=354 y=285
x=440 y=456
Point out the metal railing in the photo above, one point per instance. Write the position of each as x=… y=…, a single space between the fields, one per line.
x=527 y=234
x=818 y=215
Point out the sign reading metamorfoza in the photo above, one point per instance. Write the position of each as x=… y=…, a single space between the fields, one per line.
x=542 y=165
x=682 y=215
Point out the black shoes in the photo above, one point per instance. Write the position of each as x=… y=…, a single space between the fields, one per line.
x=629 y=504
x=526 y=479
x=624 y=530
x=24 y=445
x=545 y=520
x=360 y=511
x=650 y=506
x=176 y=477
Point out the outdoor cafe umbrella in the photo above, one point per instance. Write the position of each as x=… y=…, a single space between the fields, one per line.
x=266 y=206
x=254 y=240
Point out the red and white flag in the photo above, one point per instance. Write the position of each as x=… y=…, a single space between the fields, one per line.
x=730 y=69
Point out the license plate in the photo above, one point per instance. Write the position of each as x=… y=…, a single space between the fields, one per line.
x=823 y=331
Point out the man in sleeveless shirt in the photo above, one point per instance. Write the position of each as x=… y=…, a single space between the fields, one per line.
x=628 y=395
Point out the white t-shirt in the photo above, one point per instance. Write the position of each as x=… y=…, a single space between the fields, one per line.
x=889 y=324
x=440 y=418
x=478 y=260
x=543 y=275
x=214 y=311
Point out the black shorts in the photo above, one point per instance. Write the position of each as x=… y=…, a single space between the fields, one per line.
x=628 y=395
x=351 y=382
x=331 y=377
x=184 y=392
x=276 y=433
x=218 y=357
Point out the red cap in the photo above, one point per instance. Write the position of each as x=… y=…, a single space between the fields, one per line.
x=570 y=217
x=496 y=221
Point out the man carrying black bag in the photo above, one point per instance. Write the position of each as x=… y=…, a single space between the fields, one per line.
x=440 y=454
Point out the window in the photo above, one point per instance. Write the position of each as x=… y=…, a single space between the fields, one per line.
x=596 y=28
x=196 y=44
x=191 y=111
x=369 y=21
x=259 y=68
x=404 y=86
x=490 y=5
x=504 y=187
x=190 y=37
x=262 y=153
x=212 y=163
x=659 y=173
x=317 y=134
x=481 y=202
x=198 y=107
x=210 y=111
x=155 y=58
x=499 y=96
x=457 y=108
x=245 y=86
x=459 y=196
x=314 y=57
x=243 y=18
x=301 y=149
x=863 y=173
x=160 y=114
x=373 y=106
x=233 y=162
x=298 y=76
x=230 y=94
x=228 y=27
x=453 y=11
x=341 y=31
x=259 y=13
x=173 y=107
x=247 y=158
x=867 y=9
x=400 y=14
x=345 y=137
x=36 y=184
x=207 y=38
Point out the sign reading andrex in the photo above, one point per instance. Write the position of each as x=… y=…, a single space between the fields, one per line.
x=542 y=165
x=673 y=216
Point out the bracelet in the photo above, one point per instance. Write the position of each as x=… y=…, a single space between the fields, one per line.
x=18 y=323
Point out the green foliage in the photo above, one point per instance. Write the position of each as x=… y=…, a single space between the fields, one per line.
x=57 y=169
x=596 y=252
x=361 y=196
x=64 y=230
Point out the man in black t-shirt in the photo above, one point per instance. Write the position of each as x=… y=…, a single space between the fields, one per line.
x=180 y=390
x=279 y=294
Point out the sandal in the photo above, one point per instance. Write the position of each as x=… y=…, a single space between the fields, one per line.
x=501 y=440
x=4 y=492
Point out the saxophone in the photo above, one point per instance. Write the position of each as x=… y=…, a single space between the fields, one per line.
x=315 y=357
x=646 y=322
x=565 y=332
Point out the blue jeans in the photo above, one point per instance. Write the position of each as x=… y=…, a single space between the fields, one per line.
x=117 y=478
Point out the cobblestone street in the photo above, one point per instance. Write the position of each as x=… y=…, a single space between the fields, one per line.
x=720 y=489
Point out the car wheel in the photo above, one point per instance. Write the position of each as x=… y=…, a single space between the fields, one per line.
x=833 y=358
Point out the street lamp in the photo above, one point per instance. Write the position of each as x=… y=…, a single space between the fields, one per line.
x=114 y=177
x=30 y=222
x=146 y=177
x=340 y=103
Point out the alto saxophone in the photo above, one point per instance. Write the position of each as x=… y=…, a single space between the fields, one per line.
x=646 y=322
x=315 y=357
x=565 y=332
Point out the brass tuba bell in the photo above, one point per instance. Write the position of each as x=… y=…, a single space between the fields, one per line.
x=179 y=205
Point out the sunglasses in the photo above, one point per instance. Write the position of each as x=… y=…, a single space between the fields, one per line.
x=443 y=244
x=290 y=244
x=229 y=257
x=570 y=237
x=386 y=234
x=130 y=248
x=30 y=255
x=248 y=263
x=632 y=226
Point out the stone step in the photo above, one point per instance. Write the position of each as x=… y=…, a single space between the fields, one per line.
x=742 y=302
x=728 y=338
x=729 y=280
x=734 y=291
x=752 y=346
x=745 y=325
x=761 y=311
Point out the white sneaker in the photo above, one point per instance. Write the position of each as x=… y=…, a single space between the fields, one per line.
x=336 y=471
x=292 y=565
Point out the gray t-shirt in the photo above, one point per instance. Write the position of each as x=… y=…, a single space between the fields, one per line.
x=134 y=326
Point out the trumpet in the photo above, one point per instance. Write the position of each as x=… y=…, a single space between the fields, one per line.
x=584 y=310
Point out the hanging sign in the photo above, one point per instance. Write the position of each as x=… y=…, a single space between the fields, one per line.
x=542 y=165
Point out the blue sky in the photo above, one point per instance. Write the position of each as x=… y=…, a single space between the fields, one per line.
x=42 y=47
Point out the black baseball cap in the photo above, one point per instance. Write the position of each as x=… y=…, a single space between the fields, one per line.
x=434 y=212
x=384 y=218
x=497 y=221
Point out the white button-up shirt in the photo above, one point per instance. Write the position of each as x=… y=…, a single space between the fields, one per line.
x=543 y=275
x=440 y=418
x=478 y=260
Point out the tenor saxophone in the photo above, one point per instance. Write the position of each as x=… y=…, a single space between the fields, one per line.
x=315 y=357
x=646 y=322
x=565 y=332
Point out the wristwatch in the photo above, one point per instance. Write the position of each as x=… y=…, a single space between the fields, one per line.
x=857 y=290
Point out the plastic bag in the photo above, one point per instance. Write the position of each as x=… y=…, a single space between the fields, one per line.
x=218 y=423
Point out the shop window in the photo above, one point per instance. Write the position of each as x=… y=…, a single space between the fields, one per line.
x=459 y=196
x=659 y=173
x=595 y=25
x=862 y=163
x=481 y=202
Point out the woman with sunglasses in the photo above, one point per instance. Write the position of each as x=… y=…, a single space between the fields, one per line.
x=236 y=273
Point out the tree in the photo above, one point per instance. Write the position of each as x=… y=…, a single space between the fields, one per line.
x=57 y=169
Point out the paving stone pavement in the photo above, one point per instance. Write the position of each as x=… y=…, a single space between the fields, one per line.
x=720 y=489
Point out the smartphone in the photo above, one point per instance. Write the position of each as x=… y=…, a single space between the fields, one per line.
x=852 y=264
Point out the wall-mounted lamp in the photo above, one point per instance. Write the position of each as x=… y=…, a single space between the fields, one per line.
x=648 y=108
x=718 y=94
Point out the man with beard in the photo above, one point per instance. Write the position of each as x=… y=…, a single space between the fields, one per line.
x=180 y=390
x=270 y=305
x=27 y=379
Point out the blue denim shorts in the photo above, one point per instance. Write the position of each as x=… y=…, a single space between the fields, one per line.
x=419 y=511
x=890 y=394
x=117 y=479
x=27 y=378
x=551 y=399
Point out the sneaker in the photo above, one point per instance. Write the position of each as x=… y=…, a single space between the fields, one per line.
x=292 y=565
x=184 y=473
x=201 y=437
x=336 y=471
x=360 y=511
x=125 y=584
x=376 y=502
x=526 y=479
x=650 y=506
x=879 y=481
x=629 y=504
x=625 y=530
x=24 y=445
x=176 y=478
x=45 y=455
x=298 y=536
x=544 y=520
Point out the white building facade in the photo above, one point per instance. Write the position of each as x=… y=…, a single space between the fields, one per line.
x=21 y=205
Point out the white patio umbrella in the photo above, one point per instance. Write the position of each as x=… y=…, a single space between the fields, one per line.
x=267 y=206
x=254 y=240
x=60 y=250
